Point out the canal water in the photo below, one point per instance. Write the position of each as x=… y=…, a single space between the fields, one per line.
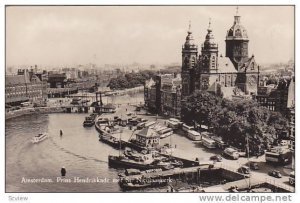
x=78 y=150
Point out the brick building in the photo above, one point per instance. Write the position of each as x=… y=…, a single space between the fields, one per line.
x=163 y=96
x=26 y=86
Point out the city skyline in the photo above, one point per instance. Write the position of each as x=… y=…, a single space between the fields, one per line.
x=63 y=35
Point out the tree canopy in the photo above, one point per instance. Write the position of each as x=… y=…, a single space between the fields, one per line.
x=235 y=121
x=130 y=80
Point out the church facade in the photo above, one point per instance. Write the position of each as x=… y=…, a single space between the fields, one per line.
x=235 y=74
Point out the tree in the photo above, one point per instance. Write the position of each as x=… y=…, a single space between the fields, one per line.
x=130 y=80
x=236 y=121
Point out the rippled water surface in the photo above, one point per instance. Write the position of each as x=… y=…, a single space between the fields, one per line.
x=78 y=150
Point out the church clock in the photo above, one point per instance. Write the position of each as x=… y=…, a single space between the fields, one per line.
x=252 y=81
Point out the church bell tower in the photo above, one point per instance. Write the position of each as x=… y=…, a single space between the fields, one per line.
x=189 y=60
x=237 y=43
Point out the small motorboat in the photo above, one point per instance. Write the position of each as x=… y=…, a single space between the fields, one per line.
x=38 y=138
x=88 y=122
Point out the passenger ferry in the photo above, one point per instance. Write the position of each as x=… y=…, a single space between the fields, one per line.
x=38 y=138
x=209 y=143
x=193 y=135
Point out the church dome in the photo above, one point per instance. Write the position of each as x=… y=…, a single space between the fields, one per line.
x=237 y=31
x=189 y=40
x=210 y=39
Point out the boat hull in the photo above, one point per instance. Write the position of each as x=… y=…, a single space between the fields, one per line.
x=106 y=140
x=115 y=162
x=35 y=141
x=88 y=124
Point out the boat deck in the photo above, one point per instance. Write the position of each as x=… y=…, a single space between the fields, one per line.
x=170 y=173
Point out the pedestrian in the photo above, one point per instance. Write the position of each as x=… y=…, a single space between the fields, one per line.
x=61 y=132
x=63 y=171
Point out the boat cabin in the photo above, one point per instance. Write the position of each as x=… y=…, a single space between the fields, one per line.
x=108 y=108
x=147 y=137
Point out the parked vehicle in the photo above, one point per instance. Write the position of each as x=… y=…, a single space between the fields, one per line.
x=253 y=166
x=216 y=158
x=140 y=125
x=292 y=178
x=279 y=155
x=219 y=142
x=165 y=132
x=186 y=127
x=174 y=123
x=244 y=170
x=193 y=135
x=231 y=153
x=275 y=173
x=209 y=143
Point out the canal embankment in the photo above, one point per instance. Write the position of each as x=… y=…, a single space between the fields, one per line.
x=35 y=110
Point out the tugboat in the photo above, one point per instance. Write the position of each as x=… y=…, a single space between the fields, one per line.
x=88 y=122
x=38 y=138
x=142 y=163
x=93 y=115
x=110 y=140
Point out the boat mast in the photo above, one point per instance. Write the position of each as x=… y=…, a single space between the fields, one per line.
x=121 y=130
x=171 y=145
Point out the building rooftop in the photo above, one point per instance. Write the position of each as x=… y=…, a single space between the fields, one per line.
x=225 y=65
x=15 y=79
x=148 y=133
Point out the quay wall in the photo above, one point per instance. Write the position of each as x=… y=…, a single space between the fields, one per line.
x=36 y=110
x=232 y=175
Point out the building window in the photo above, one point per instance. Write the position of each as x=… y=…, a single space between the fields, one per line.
x=213 y=62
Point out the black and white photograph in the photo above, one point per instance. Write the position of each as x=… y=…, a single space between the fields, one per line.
x=150 y=99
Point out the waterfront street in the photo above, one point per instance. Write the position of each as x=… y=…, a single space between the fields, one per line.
x=81 y=153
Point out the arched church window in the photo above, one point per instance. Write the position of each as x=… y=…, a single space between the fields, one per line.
x=230 y=32
x=252 y=66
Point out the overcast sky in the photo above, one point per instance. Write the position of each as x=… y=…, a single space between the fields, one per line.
x=151 y=34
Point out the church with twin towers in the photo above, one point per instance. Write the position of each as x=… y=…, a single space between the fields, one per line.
x=235 y=74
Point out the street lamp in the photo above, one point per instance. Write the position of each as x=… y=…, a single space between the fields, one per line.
x=248 y=151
